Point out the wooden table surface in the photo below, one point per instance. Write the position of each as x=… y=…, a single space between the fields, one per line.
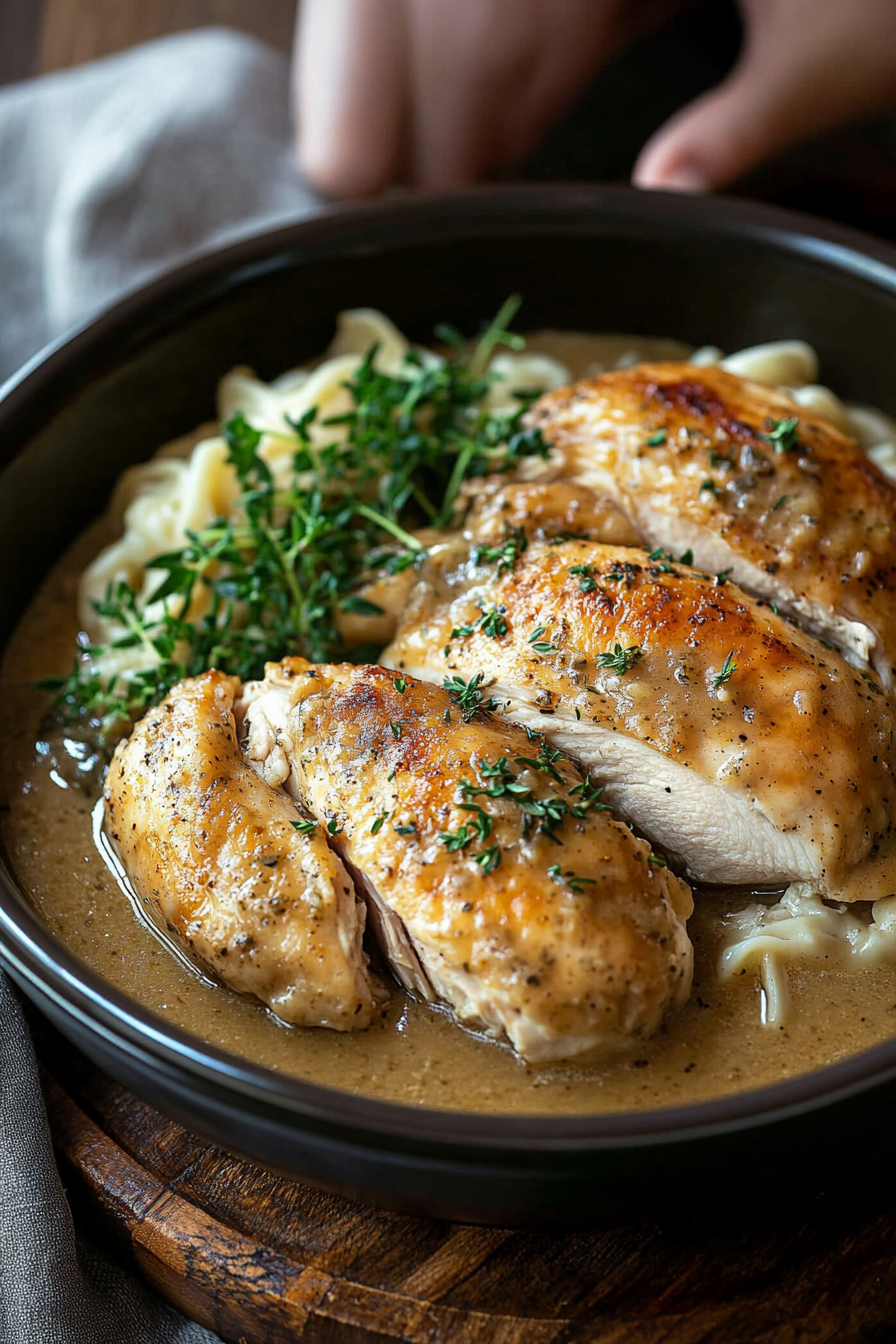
x=37 y=36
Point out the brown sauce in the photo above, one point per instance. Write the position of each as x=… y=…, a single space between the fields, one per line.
x=715 y=1045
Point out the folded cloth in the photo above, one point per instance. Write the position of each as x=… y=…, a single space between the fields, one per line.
x=55 y=1287
x=113 y=171
x=110 y=173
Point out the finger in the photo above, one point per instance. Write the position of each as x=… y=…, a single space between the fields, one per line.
x=488 y=76
x=350 y=92
x=806 y=67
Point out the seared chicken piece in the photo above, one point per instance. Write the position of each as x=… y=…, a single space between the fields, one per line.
x=498 y=882
x=543 y=509
x=750 y=482
x=216 y=854
x=390 y=593
x=494 y=508
x=748 y=752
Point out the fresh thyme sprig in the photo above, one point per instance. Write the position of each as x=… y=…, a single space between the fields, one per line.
x=541 y=815
x=468 y=695
x=274 y=575
x=491 y=623
x=729 y=667
x=784 y=434
x=569 y=879
x=506 y=554
x=539 y=644
x=620 y=660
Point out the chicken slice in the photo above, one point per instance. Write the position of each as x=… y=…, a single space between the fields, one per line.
x=750 y=482
x=542 y=510
x=748 y=752
x=494 y=508
x=216 y=854
x=499 y=883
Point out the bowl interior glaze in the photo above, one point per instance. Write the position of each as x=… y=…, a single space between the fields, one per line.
x=600 y=259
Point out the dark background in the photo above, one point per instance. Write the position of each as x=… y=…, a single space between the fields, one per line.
x=850 y=176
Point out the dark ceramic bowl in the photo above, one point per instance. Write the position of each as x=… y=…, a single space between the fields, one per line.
x=145 y=371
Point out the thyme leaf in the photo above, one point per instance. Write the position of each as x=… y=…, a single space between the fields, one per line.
x=783 y=434
x=620 y=660
x=729 y=667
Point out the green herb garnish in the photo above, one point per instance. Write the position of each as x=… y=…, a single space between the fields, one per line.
x=492 y=623
x=620 y=660
x=468 y=695
x=783 y=434
x=585 y=576
x=539 y=645
x=506 y=554
x=274 y=575
x=728 y=668
x=489 y=859
x=569 y=879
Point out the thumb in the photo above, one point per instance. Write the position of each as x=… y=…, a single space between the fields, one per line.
x=787 y=87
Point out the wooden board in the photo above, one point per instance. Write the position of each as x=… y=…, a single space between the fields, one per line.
x=37 y=36
x=263 y=1260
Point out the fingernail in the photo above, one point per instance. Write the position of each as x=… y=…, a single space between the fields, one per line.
x=686 y=177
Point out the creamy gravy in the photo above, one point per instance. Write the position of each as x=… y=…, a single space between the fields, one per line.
x=715 y=1045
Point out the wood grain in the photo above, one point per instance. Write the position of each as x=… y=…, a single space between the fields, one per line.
x=263 y=1260
x=79 y=30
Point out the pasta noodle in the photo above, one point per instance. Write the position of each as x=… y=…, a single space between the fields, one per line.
x=801 y=927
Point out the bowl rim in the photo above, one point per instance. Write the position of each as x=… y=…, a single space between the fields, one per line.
x=39 y=960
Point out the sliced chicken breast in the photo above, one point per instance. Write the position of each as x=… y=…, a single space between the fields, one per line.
x=542 y=510
x=228 y=866
x=499 y=883
x=492 y=509
x=751 y=483
x=749 y=753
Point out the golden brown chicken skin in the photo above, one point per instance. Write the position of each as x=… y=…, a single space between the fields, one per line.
x=749 y=481
x=217 y=855
x=542 y=510
x=490 y=509
x=735 y=741
x=498 y=881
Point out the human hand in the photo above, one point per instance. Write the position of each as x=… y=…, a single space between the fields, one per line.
x=442 y=92
x=438 y=93
x=806 y=67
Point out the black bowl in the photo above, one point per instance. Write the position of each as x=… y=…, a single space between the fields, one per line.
x=145 y=371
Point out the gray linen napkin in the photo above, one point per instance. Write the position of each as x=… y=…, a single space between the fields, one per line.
x=108 y=174
x=113 y=171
